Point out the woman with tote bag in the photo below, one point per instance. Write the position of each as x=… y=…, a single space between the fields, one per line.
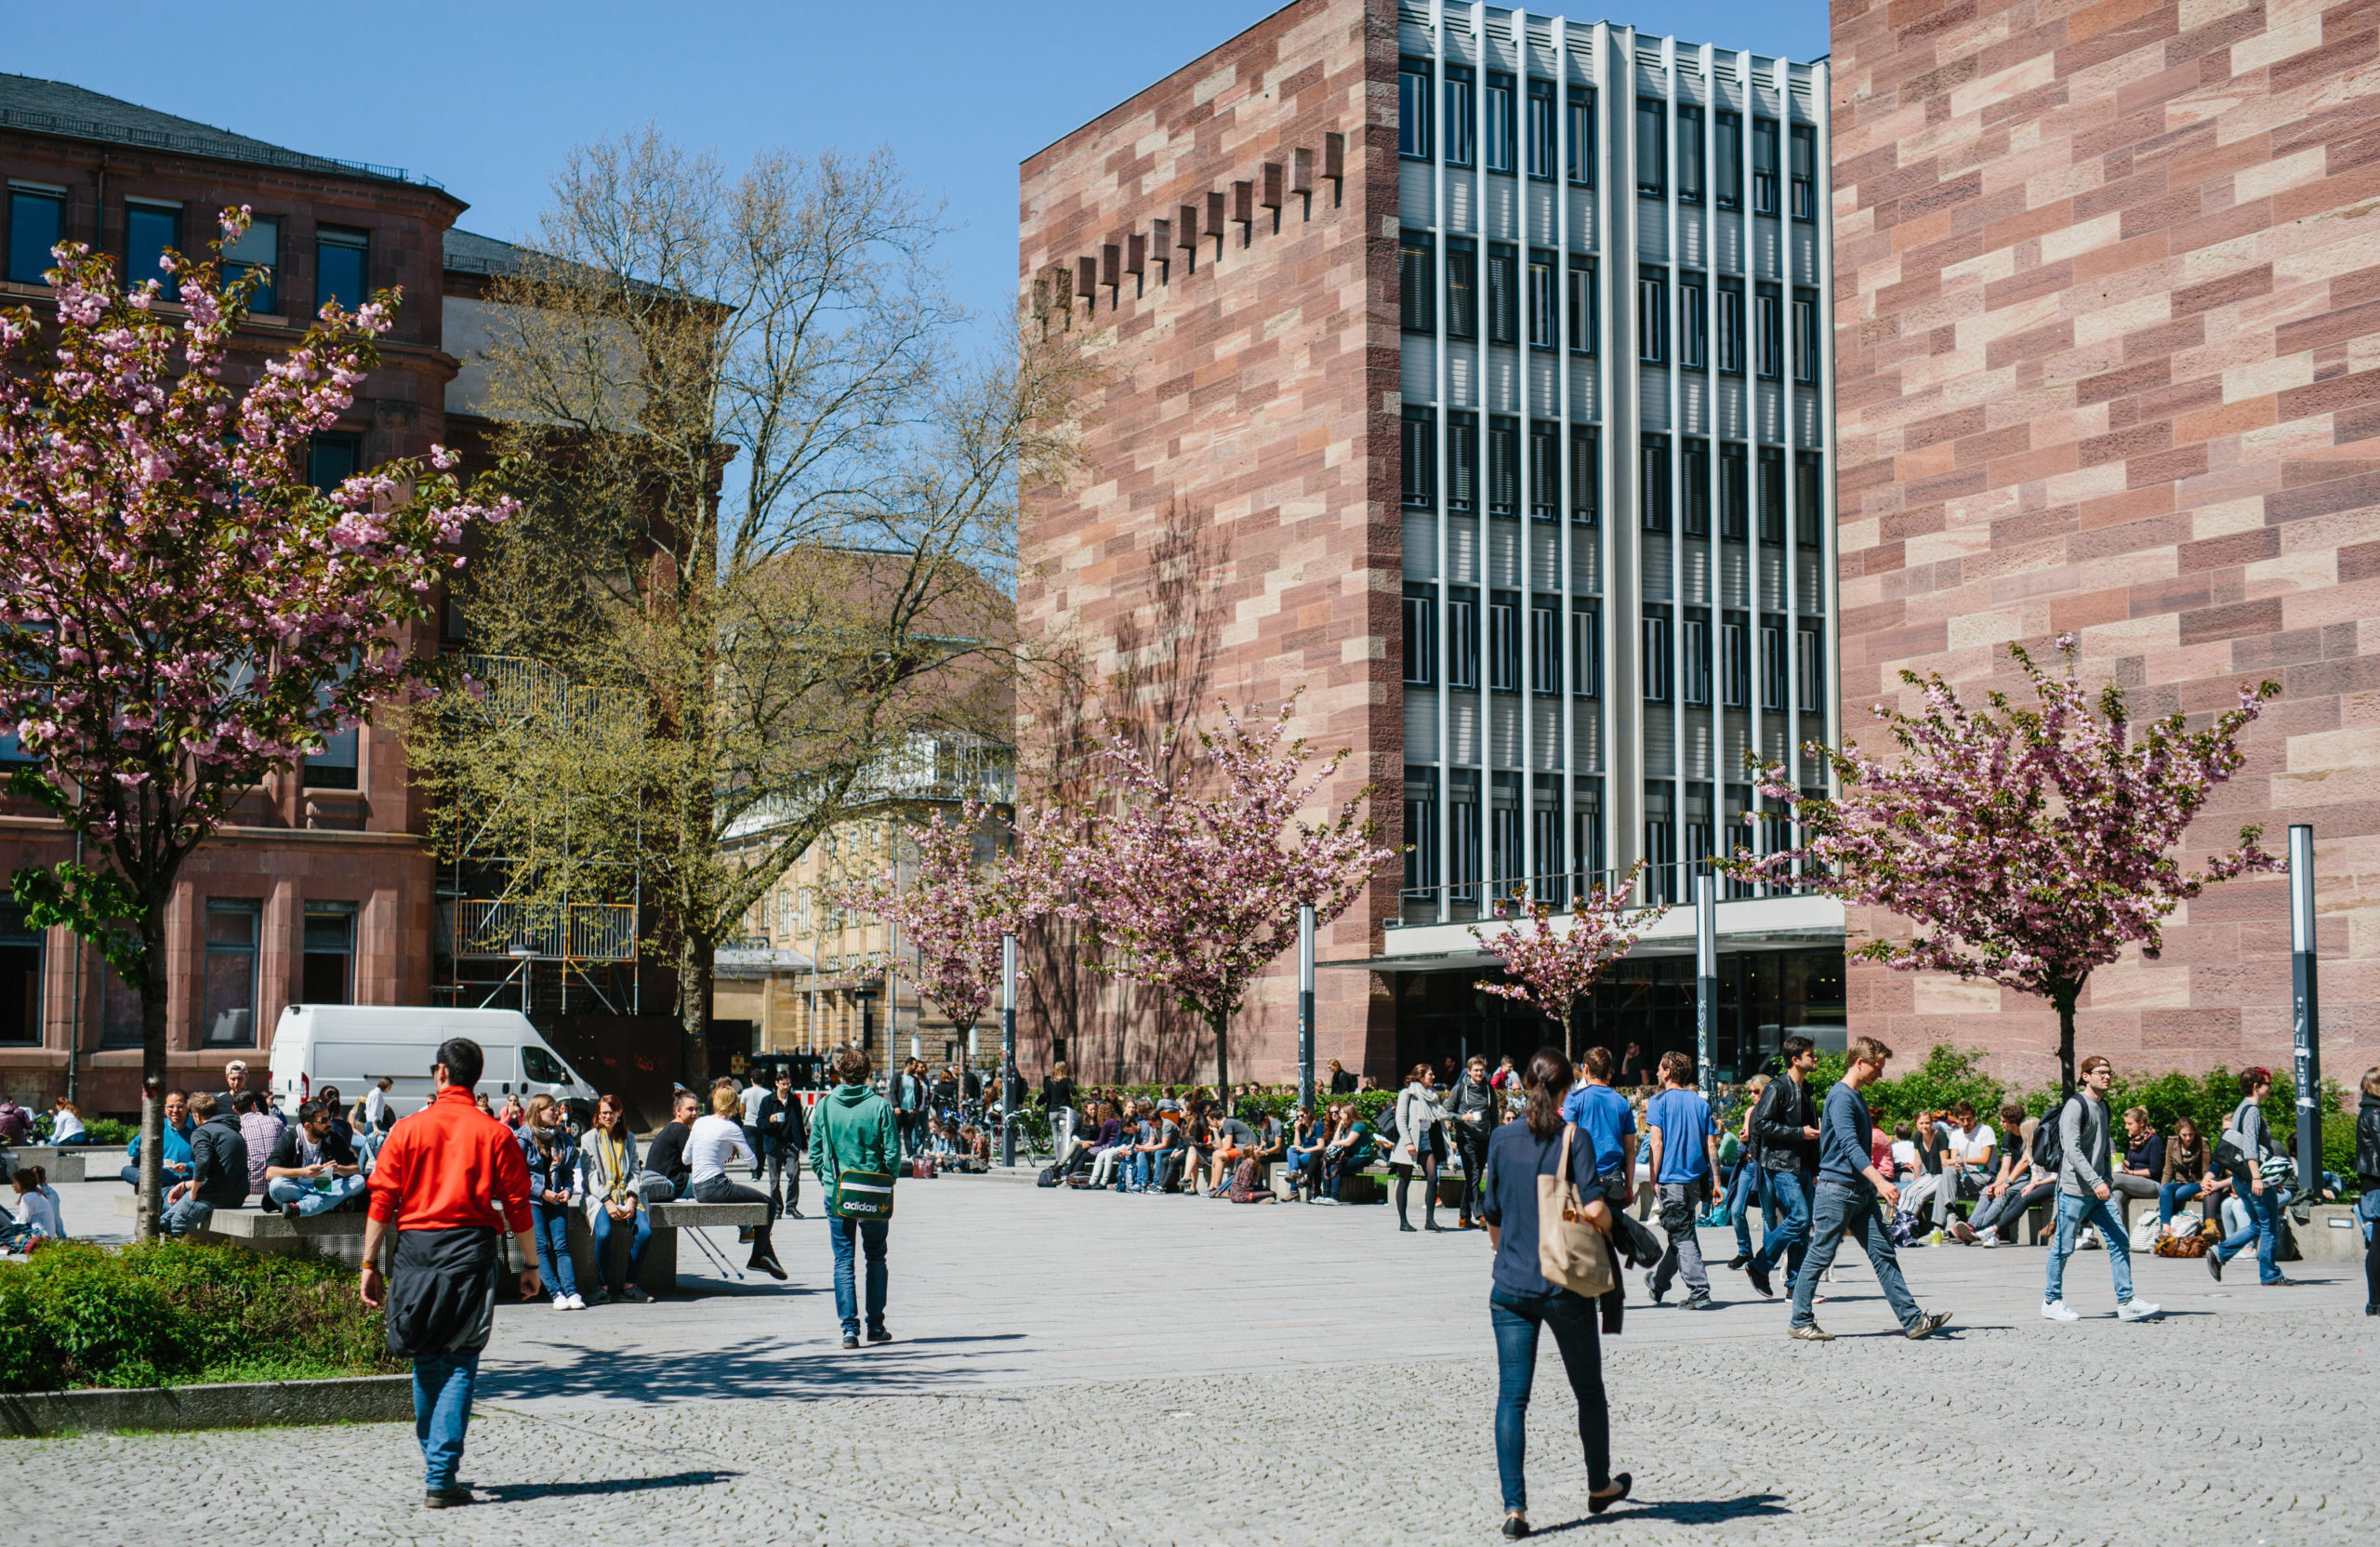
x=1534 y=1221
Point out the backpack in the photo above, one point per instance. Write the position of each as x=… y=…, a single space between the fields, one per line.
x=2049 y=1153
x=1048 y=1177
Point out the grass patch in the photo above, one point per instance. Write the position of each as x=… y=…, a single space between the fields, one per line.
x=182 y=1312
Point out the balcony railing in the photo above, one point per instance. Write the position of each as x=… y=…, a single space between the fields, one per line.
x=1667 y=885
x=574 y=931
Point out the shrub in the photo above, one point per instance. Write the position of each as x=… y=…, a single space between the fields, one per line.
x=170 y=1311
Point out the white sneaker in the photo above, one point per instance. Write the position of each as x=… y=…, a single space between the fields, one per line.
x=561 y=1303
x=2137 y=1310
x=1989 y=1240
x=577 y=1303
x=2056 y=1310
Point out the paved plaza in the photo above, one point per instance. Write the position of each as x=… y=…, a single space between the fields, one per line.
x=1097 y=1370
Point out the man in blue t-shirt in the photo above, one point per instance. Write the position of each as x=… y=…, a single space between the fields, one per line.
x=1685 y=1175
x=1605 y=1116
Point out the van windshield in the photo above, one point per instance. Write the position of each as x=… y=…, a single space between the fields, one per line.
x=541 y=1067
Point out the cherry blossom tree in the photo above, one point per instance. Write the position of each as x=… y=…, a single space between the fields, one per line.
x=180 y=612
x=1197 y=893
x=2028 y=845
x=955 y=911
x=1551 y=968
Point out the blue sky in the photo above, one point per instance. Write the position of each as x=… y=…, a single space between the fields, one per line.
x=488 y=97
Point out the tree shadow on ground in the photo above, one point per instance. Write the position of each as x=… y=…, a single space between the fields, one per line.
x=1685 y=1512
x=521 y=1493
x=783 y=1369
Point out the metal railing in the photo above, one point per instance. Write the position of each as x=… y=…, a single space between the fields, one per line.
x=221 y=147
x=577 y=931
x=1668 y=885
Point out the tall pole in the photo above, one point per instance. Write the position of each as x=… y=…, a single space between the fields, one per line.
x=1009 y=1107
x=1706 y=982
x=1305 y=1006
x=2307 y=1021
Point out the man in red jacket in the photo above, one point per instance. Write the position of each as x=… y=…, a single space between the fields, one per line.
x=442 y=1176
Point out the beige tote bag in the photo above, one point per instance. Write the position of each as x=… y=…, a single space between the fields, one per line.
x=1570 y=1250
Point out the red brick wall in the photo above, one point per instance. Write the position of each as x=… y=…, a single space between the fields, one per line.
x=1236 y=534
x=2108 y=279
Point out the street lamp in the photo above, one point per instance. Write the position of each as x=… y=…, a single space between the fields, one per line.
x=522 y=954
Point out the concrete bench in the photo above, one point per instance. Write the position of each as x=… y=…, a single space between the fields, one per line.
x=59 y=1166
x=268 y=1233
x=660 y=1272
x=2332 y=1234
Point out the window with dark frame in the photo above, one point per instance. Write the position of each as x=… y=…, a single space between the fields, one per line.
x=1689 y=155
x=1543 y=318
x=1421 y=472
x=1772 y=667
x=256 y=252
x=1695 y=458
x=1461 y=115
x=1413 y=109
x=1462 y=640
x=1772 y=497
x=1580 y=106
x=1696 y=660
x=332 y=459
x=1653 y=482
x=36 y=223
x=1805 y=337
x=1544 y=469
x=1769 y=340
x=1809 y=502
x=24 y=953
x=341 y=270
x=1652 y=317
x=1582 y=305
x=1763 y=166
x=1809 y=658
x=1545 y=649
x=1503 y=642
x=1658 y=664
x=1420 y=831
x=228 y=1018
x=1693 y=322
x=149 y=231
x=1804 y=170
x=1503 y=467
x=1503 y=296
x=1421 y=638
x=1652 y=147
x=1735 y=662
x=1586 y=650
x=1462 y=290
x=1586 y=476
x=1417 y=285
x=327 y=974
x=1501 y=109
x=1727 y=178
x=1540 y=129
x=1462 y=462
x=1735 y=493
x=1731 y=326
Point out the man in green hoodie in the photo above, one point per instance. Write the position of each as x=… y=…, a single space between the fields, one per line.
x=854 y=1130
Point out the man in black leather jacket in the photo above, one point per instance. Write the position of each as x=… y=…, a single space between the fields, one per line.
x=1472 y=1106
x=1785 y=1127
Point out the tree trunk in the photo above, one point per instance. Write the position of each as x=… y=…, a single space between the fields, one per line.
x=148 y=1211
x=1221 y=1024
x=694 y=1009
x=2064 y=998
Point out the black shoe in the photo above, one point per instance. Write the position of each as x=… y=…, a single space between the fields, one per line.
x=1407 y=1225
x=289 y=1212
x=1620 y=1483
x=1736 y=1263
x=768 y=1266
x=851 y=1339
x=879 y=1335
x=1659 y=1295
x=2371 y=1310
x=447 y=1498
x=1515 y=1527
x=2214 y=1266
x=1760 y=1280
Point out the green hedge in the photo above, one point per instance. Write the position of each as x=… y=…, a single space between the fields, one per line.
x=174 y=1312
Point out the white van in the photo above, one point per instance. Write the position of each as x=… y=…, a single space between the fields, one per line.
x=352 y=1046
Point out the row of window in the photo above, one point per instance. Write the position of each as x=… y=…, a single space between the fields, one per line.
x=1507 y=130
x=1421 y=485
x=1691 y=673
x=1543 y=303
x=37 y=222
x=226 y=993
x=1500 y=860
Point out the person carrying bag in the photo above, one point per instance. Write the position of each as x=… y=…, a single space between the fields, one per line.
x=854 y=1153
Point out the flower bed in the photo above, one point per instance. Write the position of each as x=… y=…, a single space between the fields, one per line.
x=175 y=1312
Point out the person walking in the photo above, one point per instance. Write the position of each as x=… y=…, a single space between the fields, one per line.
x=1785 y=1123
x=1521 y=1300
x=750 y=1098
x=1058 y=1105
x=1608 y=1122
x=854 y=1130
x=1685 y=1175
x=1845 y=1201
x=2250 y=1141
x=1470 y=1108
x=607 y=1179
x=2084 y=1186
x=710 y=1143
x=1418 y=1116
x=2367 y=1168
x=1744 y=1188
x=785 y=1139
x=449 y=1178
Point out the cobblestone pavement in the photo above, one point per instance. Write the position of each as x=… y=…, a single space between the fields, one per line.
x=1099 y=1369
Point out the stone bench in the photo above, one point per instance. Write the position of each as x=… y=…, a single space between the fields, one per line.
x=268 y=1233
x=59 y=1166
x=660 y=1272
x=2332 y=1234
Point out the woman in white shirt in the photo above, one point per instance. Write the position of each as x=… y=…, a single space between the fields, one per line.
x=66 y=1124
x=36 y=1211
x=713 y=1141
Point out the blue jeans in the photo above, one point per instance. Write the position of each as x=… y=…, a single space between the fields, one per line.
x=441 y=1411
x=1515 y=1318
x=181 y=1219
x=311 y=1200
x=870 y=1237
x=2075 y=1211
x=2171 y=1195
x=2263 y=1226
x=604 y=1226
x=1837 y=1212
x=1745 y=1191
x=551 y=1222
x=1787 y=1239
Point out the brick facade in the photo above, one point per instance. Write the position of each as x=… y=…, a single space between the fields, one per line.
x=1235 y=536
x=2108 y=277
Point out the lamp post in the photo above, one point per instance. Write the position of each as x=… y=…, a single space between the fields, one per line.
x=2307 y=1009
x=1010 y=1086
x=522 y=954
x=1706 y=982
x=1305 y=1006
